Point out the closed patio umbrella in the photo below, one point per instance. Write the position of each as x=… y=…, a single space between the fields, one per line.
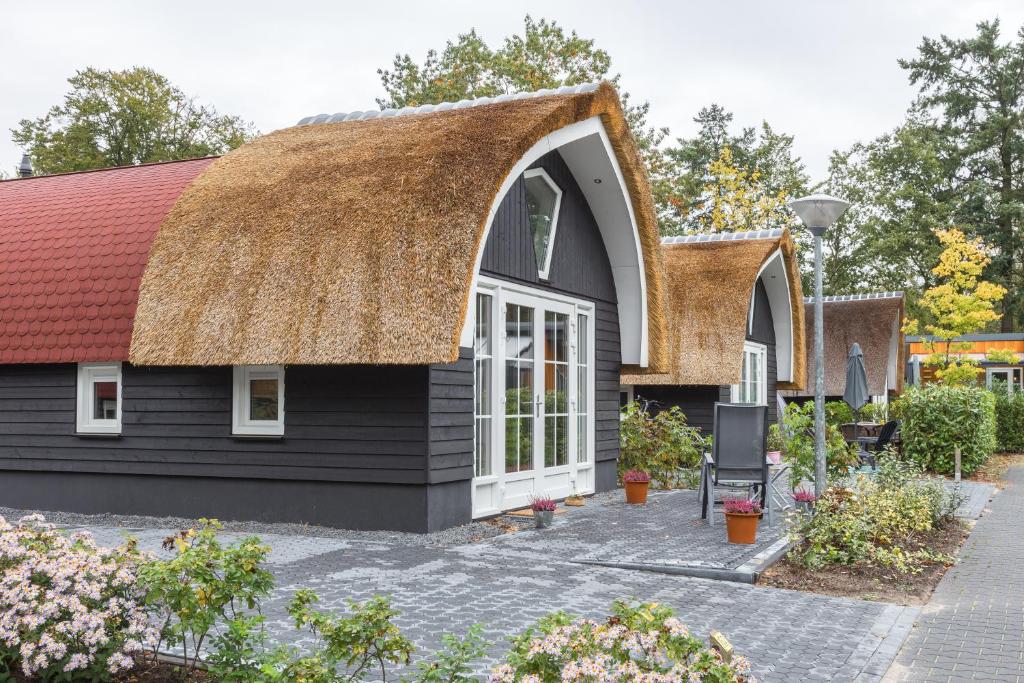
x=856 y=392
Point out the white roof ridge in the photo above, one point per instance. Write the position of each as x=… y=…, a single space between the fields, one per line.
x=857 y=297
x=724 y=236
x=445 y=106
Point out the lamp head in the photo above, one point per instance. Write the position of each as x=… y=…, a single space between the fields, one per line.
x=819 y=211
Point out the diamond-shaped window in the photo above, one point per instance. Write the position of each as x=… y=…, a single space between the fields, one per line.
x=543 y=198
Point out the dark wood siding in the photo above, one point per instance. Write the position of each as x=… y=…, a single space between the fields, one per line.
x=342 y=423
x=451 y=420
x=579 y=268
x=697 y=402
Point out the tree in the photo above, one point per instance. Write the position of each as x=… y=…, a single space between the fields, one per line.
x=761 y=168
x=973 y=89
x=960 y=304
x=119 y=118
x=544 y=56
x=901 y=191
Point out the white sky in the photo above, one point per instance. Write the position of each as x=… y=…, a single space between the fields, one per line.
x=822 y=70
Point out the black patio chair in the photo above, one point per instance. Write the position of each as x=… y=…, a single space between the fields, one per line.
x=872 y=445
x=738 y=458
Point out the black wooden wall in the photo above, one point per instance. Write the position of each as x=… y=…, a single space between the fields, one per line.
x=579 y=268
x=697 y=402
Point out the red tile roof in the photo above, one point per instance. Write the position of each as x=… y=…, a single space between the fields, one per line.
x=72 y=251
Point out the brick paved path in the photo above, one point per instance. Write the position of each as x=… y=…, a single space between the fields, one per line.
x=507 y=582
x=973 y=626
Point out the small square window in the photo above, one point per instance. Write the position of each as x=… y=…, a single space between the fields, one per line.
x=258 y=400
x=99 y=398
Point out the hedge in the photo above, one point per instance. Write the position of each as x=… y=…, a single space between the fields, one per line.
x=1010 y=421
x=938 y=418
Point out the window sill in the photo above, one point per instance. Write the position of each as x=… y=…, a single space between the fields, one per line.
x=97 y=435
x=258 y=437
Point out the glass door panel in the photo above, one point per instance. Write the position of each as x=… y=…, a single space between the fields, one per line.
x=519 y=371
x=556 y=389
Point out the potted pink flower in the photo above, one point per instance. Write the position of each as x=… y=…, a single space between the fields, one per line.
x=636 y=482
x=804 y=500
x=741 y=518
x=543 y=511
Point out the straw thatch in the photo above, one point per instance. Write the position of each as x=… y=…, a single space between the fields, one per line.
x=355 y=242
x=870 y=322
x=709 y=287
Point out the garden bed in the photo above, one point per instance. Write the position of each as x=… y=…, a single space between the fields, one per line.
x=867 y=582
x=149 y=671
x=993 y=470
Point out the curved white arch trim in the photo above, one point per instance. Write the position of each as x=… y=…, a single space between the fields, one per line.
x=588 y=153
x=776 y=283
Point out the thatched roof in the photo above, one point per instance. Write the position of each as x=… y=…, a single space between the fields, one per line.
x=710 y=280
x=356 y=241
x=872 y=320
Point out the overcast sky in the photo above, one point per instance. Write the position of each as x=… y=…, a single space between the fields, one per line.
x=822 y=70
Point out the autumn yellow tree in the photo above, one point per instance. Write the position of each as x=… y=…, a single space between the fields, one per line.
x=735 y=199
x=960 y=304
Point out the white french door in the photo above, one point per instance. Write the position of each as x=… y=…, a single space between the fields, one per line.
x=534 y=407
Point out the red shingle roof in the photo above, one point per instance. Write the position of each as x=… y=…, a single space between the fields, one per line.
x=72 y=251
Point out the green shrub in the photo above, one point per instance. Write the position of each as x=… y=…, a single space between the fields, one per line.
x=882 y=522
x=938 y=417
x=662 y=445
x=798 y=446
x=875 y=412
x=1009 y=420
x=641 y=642
x=836 y=413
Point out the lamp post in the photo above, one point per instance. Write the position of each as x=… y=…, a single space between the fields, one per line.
x=818 y=212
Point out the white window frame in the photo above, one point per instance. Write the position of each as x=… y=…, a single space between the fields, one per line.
x=761 y=352
x=88 y=375
x=990 y=374
x=542 y=273
x=241 y=425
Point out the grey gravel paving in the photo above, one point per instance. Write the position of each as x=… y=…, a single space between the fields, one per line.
x=973 y=626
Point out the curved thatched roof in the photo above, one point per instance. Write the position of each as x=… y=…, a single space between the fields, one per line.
x=356 y=241
x=710 y=280
x=875 y=322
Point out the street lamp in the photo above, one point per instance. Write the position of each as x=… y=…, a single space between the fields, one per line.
x=818 y=212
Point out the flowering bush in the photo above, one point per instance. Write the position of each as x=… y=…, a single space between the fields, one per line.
x=882 y=522
x=68 y=609
x=641 y=643
x=636 y=477
x=804 y=496
x=741 y=506
x=542 y=504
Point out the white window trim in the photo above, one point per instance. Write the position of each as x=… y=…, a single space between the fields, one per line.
x=762 y=352
x=242 y=425
x=89 y=374
x=542 y=273
x=990 y=373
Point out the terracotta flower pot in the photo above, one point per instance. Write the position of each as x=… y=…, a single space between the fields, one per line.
x=742 y=528
x=636 y=492
x=775 y=457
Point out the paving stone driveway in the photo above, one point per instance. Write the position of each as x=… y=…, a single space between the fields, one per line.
x=973 y=626
x=507 y=582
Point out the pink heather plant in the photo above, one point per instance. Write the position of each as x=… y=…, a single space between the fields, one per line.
x=804 y=496
x=641 y=643
x=636 y=477
x=542 y=504
x=742 y=506
x=68 y=609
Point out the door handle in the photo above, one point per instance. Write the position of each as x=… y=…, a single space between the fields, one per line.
x=536 y=406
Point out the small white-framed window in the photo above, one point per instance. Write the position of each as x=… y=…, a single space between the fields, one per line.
x=543 y=200
x=753 y=386
x=99 y=398
x=258 y=400
x=1008 y=378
